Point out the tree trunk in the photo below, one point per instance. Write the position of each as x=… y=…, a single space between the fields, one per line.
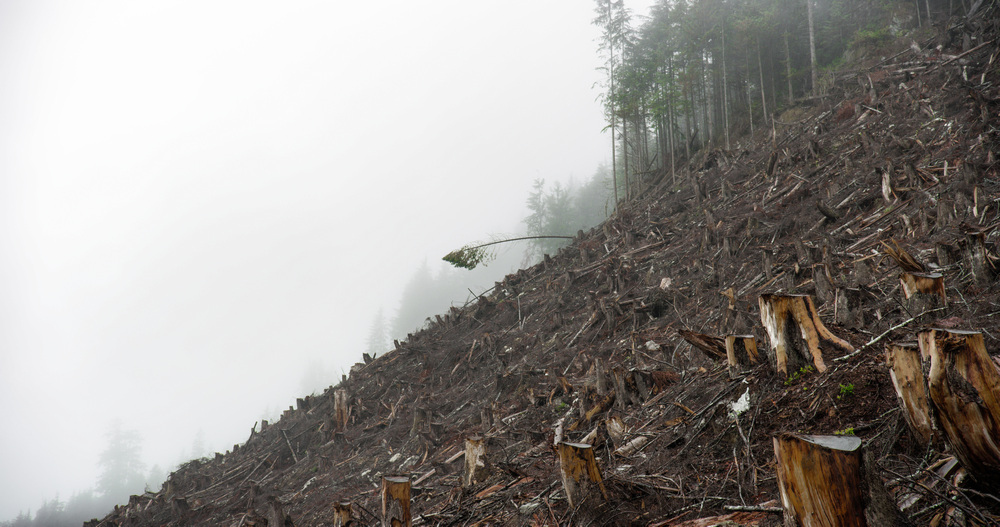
x=788 y=71
x=819 y=479
x=475 y=461
x=781 y=315
x=725 y=86
x=760 y=71
x=342 y=514
x=907 y=373
x=741 y=353
x=812 y=47
x=341 y=410
x=396 y=501
x=581 y=477
x=964 y=387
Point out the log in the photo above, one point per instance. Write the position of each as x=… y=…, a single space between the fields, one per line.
x=741 y=353
x=824 y=481
x=789 y=350
x=476 y=469
x=714 y=347
x=342 y=515
x=341 y=410
x=964 y=387
x=581 y=477
x=396 y=501
x=907 y=374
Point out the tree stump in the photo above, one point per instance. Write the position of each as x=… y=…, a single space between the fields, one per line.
x=790 y=349
x=964 y=387
x=395 y=501
x=341 y=410
x=907 y=374
x=713 y=347
x=581 y=477
x=820 y=480
x=741 y=353
x=342 y=514
x=421 y=416
x=476 y=469
x=923 y=291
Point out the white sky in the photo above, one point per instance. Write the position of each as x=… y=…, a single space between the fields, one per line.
x=200 y=198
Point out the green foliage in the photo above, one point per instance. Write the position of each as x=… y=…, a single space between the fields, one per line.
x=849 y=431
x=846 y=390
x=795 y=376
x=468 y=257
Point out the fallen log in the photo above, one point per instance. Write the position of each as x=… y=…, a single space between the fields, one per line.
x=714 y=347
x=781 y=315
x=964 y=387
x=580 y=475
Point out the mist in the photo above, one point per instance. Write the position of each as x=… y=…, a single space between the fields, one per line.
x=202 y=204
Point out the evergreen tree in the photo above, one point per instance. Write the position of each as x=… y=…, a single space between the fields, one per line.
x=121 y=467
x=378 y=337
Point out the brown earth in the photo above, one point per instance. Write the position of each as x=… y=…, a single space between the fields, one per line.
x=692 y=254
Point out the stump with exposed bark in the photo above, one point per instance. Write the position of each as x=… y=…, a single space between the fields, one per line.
x=476 y=468
x=395 y=501
x=964 y=387
x=795 y=331
x=923 y=291
x=580 y=475
x=906 y=369
x=342 y=515
x=341 y=410
x=741 y=353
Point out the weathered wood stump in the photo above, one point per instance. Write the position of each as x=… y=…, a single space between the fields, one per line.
x=341 y=410
x=581 y=477
x=476 y=468
x=395 y=501
x=964 y=387
x=923 y=291
x=342 y=515
x=907 y=374
x=741 y=353
x=781 y=316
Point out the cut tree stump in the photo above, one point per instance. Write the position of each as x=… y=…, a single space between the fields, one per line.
x=714 y=347
x=581 y=477
x=781 y=316
x=341 y=410
x=824 y=482
x=964 y=387
x=741 y=353
x=395 y=501
x=342 y=514
x=907 y=374
x=923 y=291
x=476 y=469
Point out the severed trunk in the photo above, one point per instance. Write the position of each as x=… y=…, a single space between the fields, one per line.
x=341 y=410
x=964 y=387
x=795 y=331
x=342 y=514
x=581 y=477
x=476 y=469
x=395 y=501
x=923 y=291
x=907 y=374
x=741 y=353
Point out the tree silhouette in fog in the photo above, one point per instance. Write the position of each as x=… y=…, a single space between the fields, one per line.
x=121 y=466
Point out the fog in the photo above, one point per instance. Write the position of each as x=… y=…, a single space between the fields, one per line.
x=200 y=202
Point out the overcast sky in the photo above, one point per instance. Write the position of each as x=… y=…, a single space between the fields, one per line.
x=199 y=199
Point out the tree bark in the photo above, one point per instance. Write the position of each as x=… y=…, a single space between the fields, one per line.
x=341 y=410
x=581 y=477
x=964 y=387
x=396 y=501
x=781 y=315
x=476 y=469
x=907 y=374
x=342 y=514
x=812 y=48
x=741 y=353
x=819 y=479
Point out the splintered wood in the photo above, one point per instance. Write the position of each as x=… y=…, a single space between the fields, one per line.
x=475 y=461
x=819 y=478
x=341 y=411
x=907 y=374
x=923 y=290
x=964 y=386
x=781 y=316
x=581 y=478
x=395 y=501
x=342 y=515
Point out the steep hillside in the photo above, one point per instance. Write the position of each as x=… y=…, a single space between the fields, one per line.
x=586 y=344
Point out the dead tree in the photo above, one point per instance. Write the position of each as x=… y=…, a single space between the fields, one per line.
x=741 y=353
x=825 y=481
x=964 y=387
x=581 y=477
x=395 y=501
x=781 y=316
x=476 y=469
x=907 y=374
x=341 y=410
x=342 y=515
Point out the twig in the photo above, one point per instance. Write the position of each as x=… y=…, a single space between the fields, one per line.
x=289 y=443
x=752 y=508
x=885 y=333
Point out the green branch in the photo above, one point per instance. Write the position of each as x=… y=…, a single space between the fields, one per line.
x=470 y=256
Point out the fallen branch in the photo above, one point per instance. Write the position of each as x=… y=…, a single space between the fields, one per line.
x=886 y=333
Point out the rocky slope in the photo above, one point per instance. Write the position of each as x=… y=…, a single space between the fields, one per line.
x=902 y=149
